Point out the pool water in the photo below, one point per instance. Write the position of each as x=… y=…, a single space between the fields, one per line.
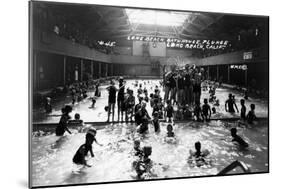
x=52 y=155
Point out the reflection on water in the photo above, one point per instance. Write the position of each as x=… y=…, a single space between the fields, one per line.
x=52 y=156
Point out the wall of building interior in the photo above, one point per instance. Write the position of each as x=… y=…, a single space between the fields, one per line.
x=57 y=62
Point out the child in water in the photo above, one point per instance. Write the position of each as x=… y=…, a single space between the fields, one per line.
x=156 y=123
x=169 y=111
x=137 y=150
x=93 y=102
x=62 y=126
x=143 y=167
x=143 y=127
x=214 y=110
x=76 y=120
x=198 y=155
x=237 y=138
x=243 y=109
x=206 y=110
x=229 y=103
x=251 y=116
x=170 y=132
x=197 y=111
x=82 y=152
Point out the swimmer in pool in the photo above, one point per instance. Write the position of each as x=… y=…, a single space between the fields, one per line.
x=237 y=138
x=62 y=126
x=214 y=110
x=169 y=111
x=144 y=165
x=137 y=150
x=229 y=103
x=243 y=110
x=143 y=127
x=82 y=152
x=170 y=132
x=199 y=156
x=93 y=102
x=76 y=120
x=206 y=110
x=251 y=116
x=197 y=111
x=155 y=122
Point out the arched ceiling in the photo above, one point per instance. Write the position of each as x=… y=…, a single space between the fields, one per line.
x=115 y=23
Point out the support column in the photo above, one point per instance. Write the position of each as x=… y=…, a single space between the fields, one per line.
x=246 y=77
x=99 y=69
x=81 y=70
x=228 y=73
x=64 y=70
x=218 y=73
x=112 y=74
x=106 y=70
x=208 y=72
x=92 y=68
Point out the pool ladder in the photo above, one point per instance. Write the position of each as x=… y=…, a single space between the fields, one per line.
x=233 y=165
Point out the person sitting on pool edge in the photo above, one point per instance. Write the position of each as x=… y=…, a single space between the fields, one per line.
x=229 y=103
x=237 y=138
x=62 y=126
x=82 y=152
x=251 y=116
x=206 y=110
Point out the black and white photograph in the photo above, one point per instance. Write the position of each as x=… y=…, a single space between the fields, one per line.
x=126 y=94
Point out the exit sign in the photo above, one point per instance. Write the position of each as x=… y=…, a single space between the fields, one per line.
x=247 y=55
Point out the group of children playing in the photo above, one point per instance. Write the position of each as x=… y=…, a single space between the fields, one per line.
x=126 y=104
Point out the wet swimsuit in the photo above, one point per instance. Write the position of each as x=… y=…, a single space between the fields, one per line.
x=156 y=125
x=79 y=157
x=112 y=95
x=170 y=111
x=240 y=141
x=205 y=109
x=230 y=104
x=62 y=125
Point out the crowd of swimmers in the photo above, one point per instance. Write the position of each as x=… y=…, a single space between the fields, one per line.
x=182 y=94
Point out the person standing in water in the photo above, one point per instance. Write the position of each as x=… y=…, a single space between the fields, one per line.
x=121 y=98
x=82 y=152
x=229 y=103
x=111 y=100
x=62 y=127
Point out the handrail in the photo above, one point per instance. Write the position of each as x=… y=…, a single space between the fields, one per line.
x=232 y=166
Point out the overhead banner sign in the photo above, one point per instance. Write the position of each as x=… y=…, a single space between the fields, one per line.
x=239 y=67
x=183 y=43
